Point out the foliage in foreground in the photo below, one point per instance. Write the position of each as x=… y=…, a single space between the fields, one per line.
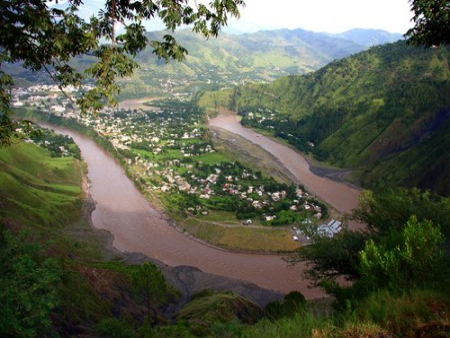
x=29 y=284
x=413 y=256
x=382 y=314
x=403 y=247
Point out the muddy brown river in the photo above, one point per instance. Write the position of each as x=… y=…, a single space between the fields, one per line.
x=137 y=227
x=341 y=196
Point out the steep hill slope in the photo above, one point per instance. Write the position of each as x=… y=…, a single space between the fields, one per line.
x=36 y=189
x=384 y=112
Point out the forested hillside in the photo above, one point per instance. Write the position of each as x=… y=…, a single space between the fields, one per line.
x=384 y=113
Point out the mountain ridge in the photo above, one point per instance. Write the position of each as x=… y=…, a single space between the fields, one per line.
x=227 y=60
x=369 y=37
x=382 y=112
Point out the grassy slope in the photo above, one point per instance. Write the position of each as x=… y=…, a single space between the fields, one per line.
x=44 y=194
x=414 y=314
x=37 y=189
x=380 y=110
x=209 y=307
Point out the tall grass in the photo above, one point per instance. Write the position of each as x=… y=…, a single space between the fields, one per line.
x=300 y=326
x=403 y=314
x=382 y=314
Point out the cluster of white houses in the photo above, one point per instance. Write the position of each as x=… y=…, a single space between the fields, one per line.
x=329 y=229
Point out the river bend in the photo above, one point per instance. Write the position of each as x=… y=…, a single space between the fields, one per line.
x=137 y=227
x=341 y=196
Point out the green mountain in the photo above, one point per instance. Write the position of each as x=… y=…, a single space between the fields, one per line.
x=261 y=56
x=369 y=37
x=384 y=113
x=228 y=60
x=231 y=60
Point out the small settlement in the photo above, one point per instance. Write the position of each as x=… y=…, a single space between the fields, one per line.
x=168 y=152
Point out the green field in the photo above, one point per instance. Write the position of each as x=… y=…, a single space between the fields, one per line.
x=211 y=158
x=251 y=238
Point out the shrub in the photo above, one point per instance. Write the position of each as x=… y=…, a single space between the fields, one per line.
x=115 y=328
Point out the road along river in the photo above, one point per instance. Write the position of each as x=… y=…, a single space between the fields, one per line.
x=137 y=227
x=341 y=196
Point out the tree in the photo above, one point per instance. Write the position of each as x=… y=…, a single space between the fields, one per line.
x=43 y=36
x=412 y=257
x=392 y=208
x=330 y=258
x=149 y=281
x=388 y=219
x=28 y=286
x=432 y=23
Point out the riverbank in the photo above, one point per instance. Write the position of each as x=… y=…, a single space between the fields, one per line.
x=317 y=168
x=250 y=154
x=136 y=227
x=188 y=279
x=341 y=196
x=204 y=228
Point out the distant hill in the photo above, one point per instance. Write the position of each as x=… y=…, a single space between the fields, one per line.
x=369 y=37
x=237 y=59
x=227 y=60
x=384 y=112
x=231 y=60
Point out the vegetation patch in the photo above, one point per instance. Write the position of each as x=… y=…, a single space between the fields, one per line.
x=256 y=238
x=39 y=189
x=211 y=308
x=383 y=112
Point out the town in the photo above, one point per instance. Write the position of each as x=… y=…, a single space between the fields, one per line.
x=169 y=155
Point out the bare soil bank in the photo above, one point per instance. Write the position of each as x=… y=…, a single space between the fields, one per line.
x=189 y=280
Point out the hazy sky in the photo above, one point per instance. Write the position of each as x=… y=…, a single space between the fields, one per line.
x=333 y=16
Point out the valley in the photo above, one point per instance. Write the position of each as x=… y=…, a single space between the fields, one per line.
x=168 y=153
x=236 y=180
x=137 y=227
x=378 y=110
x=342 y=197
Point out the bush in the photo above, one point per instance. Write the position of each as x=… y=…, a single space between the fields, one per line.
x=402 y=314
x=115 y=328
x=293 y=304
x=29 y=284
x=412 y=257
